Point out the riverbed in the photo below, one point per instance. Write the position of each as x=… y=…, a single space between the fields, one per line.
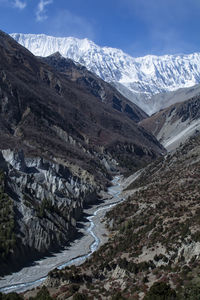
x=94 y=234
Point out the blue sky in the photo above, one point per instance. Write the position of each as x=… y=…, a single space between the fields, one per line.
x=138 y=27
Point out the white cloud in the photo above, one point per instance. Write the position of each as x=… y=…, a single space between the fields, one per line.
x=41 y=10
x=66 y=23
x=14 y=3
x=19 y=4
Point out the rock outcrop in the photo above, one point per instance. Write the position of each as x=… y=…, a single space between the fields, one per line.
x=47 y=202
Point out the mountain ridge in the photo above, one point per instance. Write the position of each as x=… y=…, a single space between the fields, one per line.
x=143 y=76
x=95 y=85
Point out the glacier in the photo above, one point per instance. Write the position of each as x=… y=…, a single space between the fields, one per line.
x=136 y=78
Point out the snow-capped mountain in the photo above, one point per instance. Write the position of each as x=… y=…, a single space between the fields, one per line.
x=136 y=78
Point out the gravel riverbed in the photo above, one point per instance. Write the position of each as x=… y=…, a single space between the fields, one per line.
x=94 y=234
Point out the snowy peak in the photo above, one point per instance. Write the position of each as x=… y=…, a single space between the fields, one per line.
x=44 y=45
x=137 y=78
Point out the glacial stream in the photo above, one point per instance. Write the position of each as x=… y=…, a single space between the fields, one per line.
x=76 y=253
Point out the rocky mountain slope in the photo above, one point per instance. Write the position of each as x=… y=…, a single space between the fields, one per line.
x=164 y=100
x=137 y=78
x=41 y=201
x=94 y=85
x=154 y=240
x=59 y=146
x=175 y=124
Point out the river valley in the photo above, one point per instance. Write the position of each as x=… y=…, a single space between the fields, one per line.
x=94 y=234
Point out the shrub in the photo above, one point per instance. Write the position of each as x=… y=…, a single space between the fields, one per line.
x=192 y=293
x=10 y=296
x=79 y=296
x=117 y=296
x=43 y=294
x=160 y=291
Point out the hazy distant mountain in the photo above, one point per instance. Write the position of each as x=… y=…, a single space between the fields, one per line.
x=175 y=124
x=163 y=100
x=137 y=78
